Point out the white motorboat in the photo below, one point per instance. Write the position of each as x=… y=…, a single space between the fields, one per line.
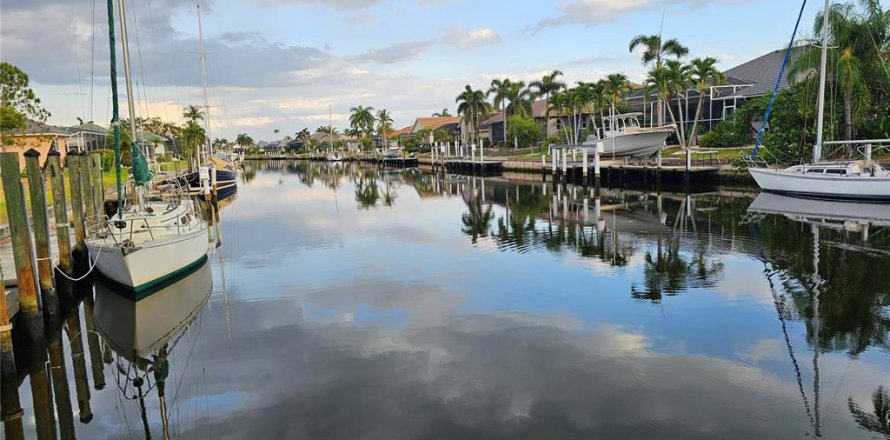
x=335 y=156
x=159 y=235
x=846 y=179
x=623 y=136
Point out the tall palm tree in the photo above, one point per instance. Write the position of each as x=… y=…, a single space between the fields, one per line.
x=499 y=88
x=304 y=135
x=679 y=77
x=550 y=83
x=654 y=51
x=704 y=74
x=442 y=114
x=521 y=98
x=384 y=124
x=361 y=118
x=660 y=81
x=192 y=113
x=276 y=132
x=473 y=106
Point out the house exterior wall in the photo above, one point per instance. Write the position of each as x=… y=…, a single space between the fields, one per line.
x=41 y=143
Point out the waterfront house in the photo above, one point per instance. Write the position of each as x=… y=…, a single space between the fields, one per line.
x=40 y=137
x=749 y=80
x=451 y=124
x=87 y=137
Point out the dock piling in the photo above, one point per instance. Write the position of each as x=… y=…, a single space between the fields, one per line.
x=77 y=197
x=40 y=220
x=60 y=209
x=10 y=405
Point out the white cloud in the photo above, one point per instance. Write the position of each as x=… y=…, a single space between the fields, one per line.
x=472 y=38
x=590 y=12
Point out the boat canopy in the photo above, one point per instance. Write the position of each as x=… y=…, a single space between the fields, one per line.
x=632 y=115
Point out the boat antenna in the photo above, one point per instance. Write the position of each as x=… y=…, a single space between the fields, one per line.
x=203 y=57
x=817 y=149
x=772 y=99
x=115 y=110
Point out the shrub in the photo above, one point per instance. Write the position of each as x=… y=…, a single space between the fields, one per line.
x=525 y=130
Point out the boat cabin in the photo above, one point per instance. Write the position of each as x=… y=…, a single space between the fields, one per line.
x=619 y=124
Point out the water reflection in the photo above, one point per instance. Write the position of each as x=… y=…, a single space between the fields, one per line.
x=142 y=336
x=359 y=301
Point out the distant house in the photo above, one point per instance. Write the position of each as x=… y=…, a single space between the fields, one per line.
x=154 y=145
x=451 y=124
x=492 y=127
x=40 y=137
x=395 y=137
x=744 y=82
x=87 y=137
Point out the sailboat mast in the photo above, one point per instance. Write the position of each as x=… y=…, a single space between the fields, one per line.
x=817 y=149
x=203 y=56
x=115 y=110
x=131 y=106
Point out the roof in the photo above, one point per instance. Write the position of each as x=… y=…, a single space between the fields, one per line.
x=88 y=127
x=38 y=128
x=434 y=123
x=761 y=72
x=399 y=132
x=539 y=110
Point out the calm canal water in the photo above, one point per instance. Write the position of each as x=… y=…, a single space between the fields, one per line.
x=350 y=302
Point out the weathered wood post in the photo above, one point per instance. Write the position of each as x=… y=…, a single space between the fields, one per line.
x=59 y=372
x=60 y=210
x=40 y=220
x=10 y=406
x=29 y=304
x=98 y=186
x=29 y=307
x=89 y=197
x=77 y=197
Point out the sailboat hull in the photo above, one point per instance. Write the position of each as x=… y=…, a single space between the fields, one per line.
x=822 y=186
x=145 y=267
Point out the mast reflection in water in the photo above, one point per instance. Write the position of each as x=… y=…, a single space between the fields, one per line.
x=356 y=301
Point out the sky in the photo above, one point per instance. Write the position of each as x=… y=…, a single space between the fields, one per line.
x=280 y=64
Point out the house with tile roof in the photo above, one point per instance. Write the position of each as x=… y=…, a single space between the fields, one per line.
x=452 y=124
x=746 y=81
x=40 y=137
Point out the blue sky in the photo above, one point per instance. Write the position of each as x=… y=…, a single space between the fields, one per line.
x=278 y=64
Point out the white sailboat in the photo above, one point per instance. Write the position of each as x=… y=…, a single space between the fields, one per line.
x=848 y=179
x=155 y=235
x=623 y=136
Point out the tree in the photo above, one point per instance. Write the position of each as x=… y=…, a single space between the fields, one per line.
x=442 y=114
x=193 y=137
x=499 y=88
x=857 y=56
x=244 y=141
x=384 y=124
x=654 y=50
x=442 y=135
x=473 y=106
x=524 y=130
x=361 y=118
x=276 y=131
x=219 y=143
x=550 y=83
x=679 y=83
x=704 y=74
x=660 y=81
x=191 y=113
x=18 y=103
x=304 y=136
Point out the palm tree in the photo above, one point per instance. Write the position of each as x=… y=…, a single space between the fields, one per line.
x=243 y=140
x=442 y=114
x=703 y=74
x=472 y=105
x=276 y=131
x=361 y=118
x=192 y=113
x=384 y=124
x=660 y=81
x=654 y=51
x=679 y=82
x=477 y=220
x=854 y=54
x=550 y=83
x=304 y=135
x=499 y=88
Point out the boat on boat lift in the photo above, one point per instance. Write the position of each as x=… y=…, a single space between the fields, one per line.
x=623 y=136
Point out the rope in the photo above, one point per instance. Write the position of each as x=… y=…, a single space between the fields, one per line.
x=772 y=99
x=96 y=261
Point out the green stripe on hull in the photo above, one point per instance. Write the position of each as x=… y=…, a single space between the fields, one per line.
x=145 y=290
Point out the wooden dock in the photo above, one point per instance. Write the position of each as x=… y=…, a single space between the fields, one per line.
x=470 y=166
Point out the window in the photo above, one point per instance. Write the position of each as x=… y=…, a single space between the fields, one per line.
x=728 y=110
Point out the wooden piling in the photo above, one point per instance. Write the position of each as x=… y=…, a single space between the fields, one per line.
x=59 y=373
x=10 y=406
x=40 y=220
x=77 y=197
x=89 y=197
x=95 y=161
x=19 y=235
x=81 y=382
x=60 y=210
x=688 y=174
